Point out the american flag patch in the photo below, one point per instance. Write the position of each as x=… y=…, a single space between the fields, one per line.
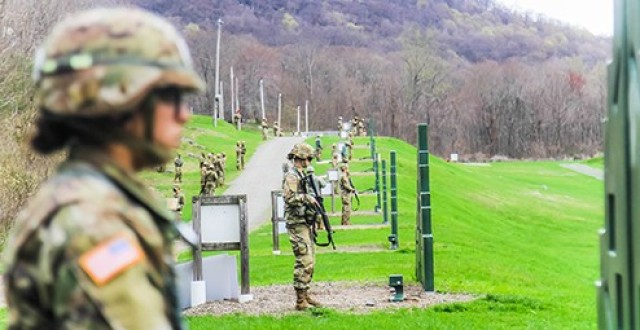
x=110 y=258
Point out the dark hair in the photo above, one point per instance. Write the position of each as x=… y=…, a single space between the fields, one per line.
x=56 y=132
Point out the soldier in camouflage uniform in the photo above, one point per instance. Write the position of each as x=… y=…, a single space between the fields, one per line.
x=219 y=168
x=346 y=191
x=276 y=129
x=238 y=155
x=179 y=196
x=300 y=216
x=265 y=128
x=318 y=148
x=243 y=151
x=178 y=162
x=340 y=125
x=93 y=248
x=210 y=179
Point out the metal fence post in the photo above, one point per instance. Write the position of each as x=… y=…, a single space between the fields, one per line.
x=376 y=169
x=424 y=234
x=385 y=215
x=393 y=238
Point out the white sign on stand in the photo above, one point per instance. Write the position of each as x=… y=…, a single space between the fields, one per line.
x=278 y=222
x=221 y=225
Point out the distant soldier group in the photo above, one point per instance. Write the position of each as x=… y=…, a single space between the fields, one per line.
x=212 y=172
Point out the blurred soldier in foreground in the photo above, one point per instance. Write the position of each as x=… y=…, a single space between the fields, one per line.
x=178 y=162
x=300 y=216
x=93 y=248
x=346 y=192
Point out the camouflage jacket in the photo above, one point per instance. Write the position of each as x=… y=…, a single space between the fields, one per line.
x=297 y=203
x=345 y=185
x=92 y=250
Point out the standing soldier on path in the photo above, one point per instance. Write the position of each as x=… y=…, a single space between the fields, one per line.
x=238 y=155
x=300 y=216
x=340 y=126
x=276 y=129
x=217 y=166
x=178 y=162
x=265 y=128
x=210 y=178
x=243 y=149
x=237 y=119
x=349 y=144
x=93 y=248
x=318 y=148
x=346 y=192
x=354 y=125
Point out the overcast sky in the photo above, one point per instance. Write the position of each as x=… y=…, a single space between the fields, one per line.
x=594 y=15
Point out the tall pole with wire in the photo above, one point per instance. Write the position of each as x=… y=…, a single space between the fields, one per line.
x=216 y=97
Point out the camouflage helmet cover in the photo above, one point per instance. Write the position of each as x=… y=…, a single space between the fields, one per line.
x=302 y=151
x=106 y=61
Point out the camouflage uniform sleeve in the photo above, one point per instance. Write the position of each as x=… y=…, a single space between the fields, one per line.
x=345 y=184
x=55 y=276
x=291 y=195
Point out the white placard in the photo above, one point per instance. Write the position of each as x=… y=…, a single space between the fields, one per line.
x=454 y=157
x=333 y=175
x=220 y=223
x=279 y=206
x=328 y=188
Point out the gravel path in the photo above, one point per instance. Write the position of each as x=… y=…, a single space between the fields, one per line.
x=586 y=170
x=350 y=297
x=261 y=175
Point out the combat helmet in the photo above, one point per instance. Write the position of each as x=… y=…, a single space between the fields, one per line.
x=106 y=61
x=301 y=151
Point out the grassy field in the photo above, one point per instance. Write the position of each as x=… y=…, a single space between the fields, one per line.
x=522 y=235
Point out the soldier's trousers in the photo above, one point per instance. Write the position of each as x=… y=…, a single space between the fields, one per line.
x=303 y=250
x=346 y=209
x=264 y=134
x=178 y=176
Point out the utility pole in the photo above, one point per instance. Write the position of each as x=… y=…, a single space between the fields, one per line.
x=280 y=109
x=232 y=98
x=216 y=107
x=306 y=116
x=237 y=95
x=298 y=126
x=222 y=100
x=262 y=97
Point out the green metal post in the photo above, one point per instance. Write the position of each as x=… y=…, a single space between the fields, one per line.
x=393 y=238
x=617 y=290
x=385 y=214
x=424 y=234
x=376 y=169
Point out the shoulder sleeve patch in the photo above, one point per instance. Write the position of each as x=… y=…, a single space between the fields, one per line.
x=110 y=258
